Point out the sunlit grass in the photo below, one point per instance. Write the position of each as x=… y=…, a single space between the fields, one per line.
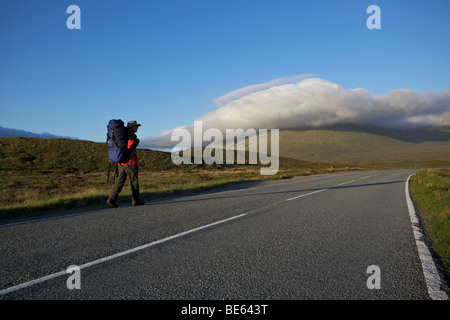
x=38 y=175
x=430 y=190
x=31 y=193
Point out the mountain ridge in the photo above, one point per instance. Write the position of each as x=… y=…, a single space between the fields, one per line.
x=358 y=145
x=17 y=133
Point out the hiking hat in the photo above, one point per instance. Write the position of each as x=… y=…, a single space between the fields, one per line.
x=132 y=124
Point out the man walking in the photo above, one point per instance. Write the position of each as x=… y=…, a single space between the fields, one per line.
x=128 y=168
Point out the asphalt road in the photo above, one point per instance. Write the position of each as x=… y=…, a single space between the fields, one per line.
x=302 y=239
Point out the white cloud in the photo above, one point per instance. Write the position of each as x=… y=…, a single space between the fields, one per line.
x=314 y=103
x=239 y=93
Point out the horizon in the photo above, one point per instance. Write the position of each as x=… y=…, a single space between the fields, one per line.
x=435 y=133
x=169 y=64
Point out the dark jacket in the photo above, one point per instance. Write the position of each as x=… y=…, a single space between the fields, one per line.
x=133 y=142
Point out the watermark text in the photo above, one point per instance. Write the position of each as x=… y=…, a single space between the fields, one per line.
x=235 y=147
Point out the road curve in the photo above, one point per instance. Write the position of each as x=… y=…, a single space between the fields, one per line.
x=335 y=236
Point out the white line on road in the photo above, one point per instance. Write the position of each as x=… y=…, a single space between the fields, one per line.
x=307 y=194
x=114 y=256
x=341 y=184
x=117 y=255
x=430 y=272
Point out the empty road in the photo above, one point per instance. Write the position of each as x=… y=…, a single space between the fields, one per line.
x=336 y=236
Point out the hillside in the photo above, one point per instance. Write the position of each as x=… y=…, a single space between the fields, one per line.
x=298 y=149
x=353 y=146
x=46 y=174
x=41 y=175
x=67 y=156
x=365 y=146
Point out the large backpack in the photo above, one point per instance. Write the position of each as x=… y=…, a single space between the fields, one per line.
x=117 y=138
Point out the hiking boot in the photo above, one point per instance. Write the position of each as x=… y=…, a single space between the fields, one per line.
x=138 y=203
x=112 y=204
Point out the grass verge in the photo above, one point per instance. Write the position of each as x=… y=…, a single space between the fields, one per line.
x=430 y=190
x=32 y=193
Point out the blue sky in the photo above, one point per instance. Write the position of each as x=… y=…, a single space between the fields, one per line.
x=163 y=62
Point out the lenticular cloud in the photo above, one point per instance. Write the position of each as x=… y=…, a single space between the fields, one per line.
x=317 y=103
x=314 y=103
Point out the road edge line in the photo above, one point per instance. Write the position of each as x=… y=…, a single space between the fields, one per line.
x=432 y=278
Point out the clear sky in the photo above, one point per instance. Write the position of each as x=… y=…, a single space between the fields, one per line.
x=164 y=62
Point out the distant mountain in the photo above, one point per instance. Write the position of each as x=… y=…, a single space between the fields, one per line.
x=9 y=133
x=417 y=135
x=359 y=145
x=356 y=145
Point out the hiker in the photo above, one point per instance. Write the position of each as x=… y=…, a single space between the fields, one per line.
x=128 y=168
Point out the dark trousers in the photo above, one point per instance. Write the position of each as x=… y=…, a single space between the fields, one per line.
x=123 y=173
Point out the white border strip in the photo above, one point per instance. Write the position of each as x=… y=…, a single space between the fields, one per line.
x=114 y=256
x=430 y=272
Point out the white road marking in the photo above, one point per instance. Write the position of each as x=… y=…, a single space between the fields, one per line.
x=430 y=272
x=114 y=256
x=432 y=278
x=307 y=194
x=341 y=184
x=117 y=255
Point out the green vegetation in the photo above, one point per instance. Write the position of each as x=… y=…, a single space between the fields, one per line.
x=39 y=175
x=430 y=190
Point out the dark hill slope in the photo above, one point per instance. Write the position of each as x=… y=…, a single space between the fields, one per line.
x=66 y=155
